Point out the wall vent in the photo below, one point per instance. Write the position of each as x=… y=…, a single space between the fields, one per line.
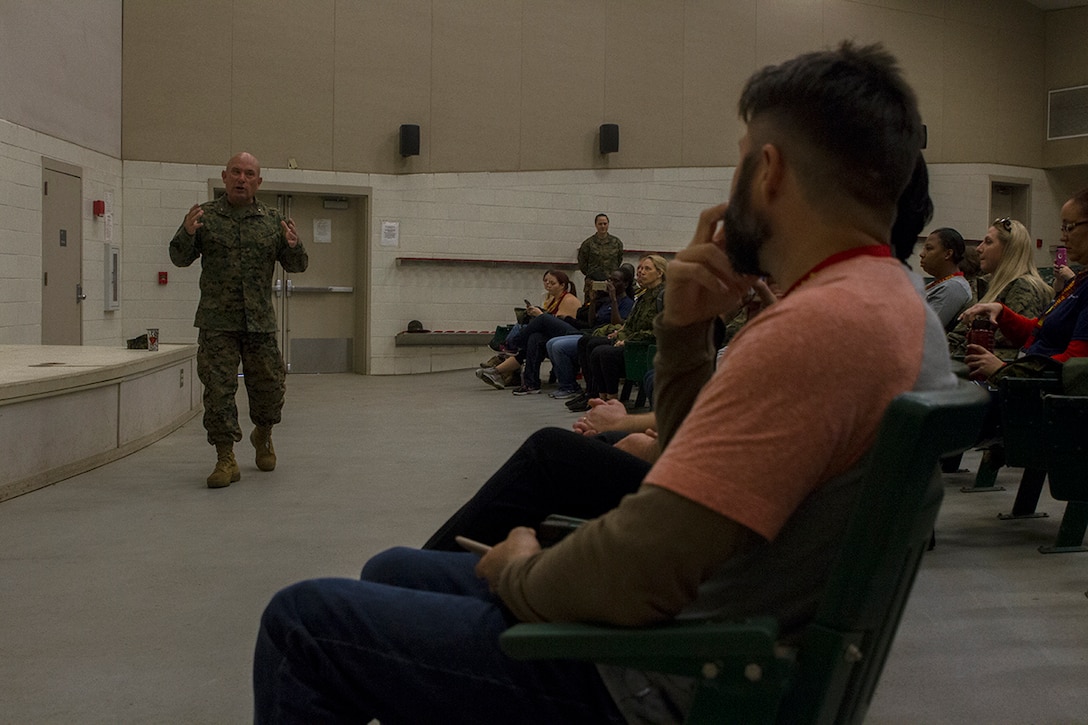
x=1067 y=113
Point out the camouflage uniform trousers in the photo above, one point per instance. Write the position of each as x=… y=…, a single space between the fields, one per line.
x=217 y=358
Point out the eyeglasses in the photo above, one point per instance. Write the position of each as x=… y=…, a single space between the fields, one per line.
x=1072 y=225
x=1004 y=222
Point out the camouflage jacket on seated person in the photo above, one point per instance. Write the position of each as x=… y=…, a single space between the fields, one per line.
x=639 y=325
x=1020 y=296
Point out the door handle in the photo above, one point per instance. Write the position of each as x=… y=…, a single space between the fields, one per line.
x=300 y=288
x=277 y=288
x=79 y=294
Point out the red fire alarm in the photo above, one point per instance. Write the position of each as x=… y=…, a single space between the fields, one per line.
x=162 y=277
x=99 y=207
x=1038 y=243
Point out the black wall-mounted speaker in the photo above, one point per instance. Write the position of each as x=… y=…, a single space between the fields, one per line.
x=610 y=138
x=409 y=139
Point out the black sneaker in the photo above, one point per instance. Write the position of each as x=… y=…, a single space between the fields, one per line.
x=581 y=399
x=522 y=390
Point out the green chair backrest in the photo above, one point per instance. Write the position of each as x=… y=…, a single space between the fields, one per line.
x=637 y=359
x=1065 y=443
x=1022 y=419
x=843 y=650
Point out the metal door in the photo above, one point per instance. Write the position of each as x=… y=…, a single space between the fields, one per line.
x=317 y=307
x=62 y=258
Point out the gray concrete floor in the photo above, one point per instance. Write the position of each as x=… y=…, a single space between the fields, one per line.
x=131 y=593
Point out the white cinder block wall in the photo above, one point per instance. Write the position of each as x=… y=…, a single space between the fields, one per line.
x=961 y=199
x=21 y=152
x=539 y=216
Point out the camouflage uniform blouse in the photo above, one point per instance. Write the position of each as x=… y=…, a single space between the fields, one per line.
x=1020 y=296
x=597 y=258
x=639 y=324
x=239 y=248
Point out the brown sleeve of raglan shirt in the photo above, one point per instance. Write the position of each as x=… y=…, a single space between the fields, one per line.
x=682 y=366
x=638 y=564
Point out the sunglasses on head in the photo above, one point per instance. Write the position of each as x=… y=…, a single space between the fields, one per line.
x=1004 y=222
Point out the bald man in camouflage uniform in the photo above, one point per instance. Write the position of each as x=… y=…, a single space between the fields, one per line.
x=239 y=241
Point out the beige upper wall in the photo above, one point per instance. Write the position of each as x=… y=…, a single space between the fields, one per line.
x=499 y=85
x=1066 y=66
x=61 y=74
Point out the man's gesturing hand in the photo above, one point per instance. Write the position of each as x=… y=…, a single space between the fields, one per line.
x=192 y=219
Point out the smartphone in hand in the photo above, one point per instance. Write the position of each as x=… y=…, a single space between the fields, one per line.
x=1061 y=258
x=555 y=528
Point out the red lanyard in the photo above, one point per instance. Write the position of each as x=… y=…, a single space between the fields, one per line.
x=869 y=250
x=936 y=282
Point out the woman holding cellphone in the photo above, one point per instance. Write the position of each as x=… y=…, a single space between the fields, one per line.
x=560 y=305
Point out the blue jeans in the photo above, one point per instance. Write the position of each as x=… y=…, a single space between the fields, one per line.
x=563 y=352
x=415 y=641
x=513 y=337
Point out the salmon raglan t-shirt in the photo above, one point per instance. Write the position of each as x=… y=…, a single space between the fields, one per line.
x=799 y=394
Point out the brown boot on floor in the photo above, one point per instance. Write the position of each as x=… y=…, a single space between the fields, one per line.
x=261 y=438
x=226 y=468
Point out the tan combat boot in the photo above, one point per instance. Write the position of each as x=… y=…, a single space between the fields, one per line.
x=226 y=468
x=261 y=438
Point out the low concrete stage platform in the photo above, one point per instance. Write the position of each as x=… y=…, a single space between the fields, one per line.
x=67 y=409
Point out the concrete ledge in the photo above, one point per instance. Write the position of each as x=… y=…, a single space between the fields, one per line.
x=471 y=337
x=475 y=262
x=67 y=409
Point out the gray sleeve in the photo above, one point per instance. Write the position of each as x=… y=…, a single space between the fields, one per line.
x=947 y=300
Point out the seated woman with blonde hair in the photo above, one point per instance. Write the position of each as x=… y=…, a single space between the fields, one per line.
x=1005 y=254
x=601 y=356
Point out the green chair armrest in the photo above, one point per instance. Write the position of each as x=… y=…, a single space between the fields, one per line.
x=680 y=648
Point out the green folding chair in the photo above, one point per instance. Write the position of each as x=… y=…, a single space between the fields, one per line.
x=638 y=359
x=744 y=675
x=1065 y=448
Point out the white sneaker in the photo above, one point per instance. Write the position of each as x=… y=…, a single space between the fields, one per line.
x=490 y=376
